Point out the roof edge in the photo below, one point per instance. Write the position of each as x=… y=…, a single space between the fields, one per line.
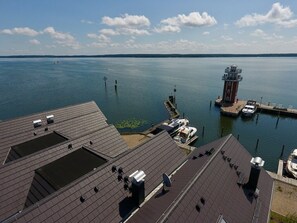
x=170 y=209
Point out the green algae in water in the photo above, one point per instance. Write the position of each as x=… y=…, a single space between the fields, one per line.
x=130 y=123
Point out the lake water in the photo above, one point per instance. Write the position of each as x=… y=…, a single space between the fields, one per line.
x=34 y=85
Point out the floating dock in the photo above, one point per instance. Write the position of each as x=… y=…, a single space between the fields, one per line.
x=235 y=109
x=230 y=109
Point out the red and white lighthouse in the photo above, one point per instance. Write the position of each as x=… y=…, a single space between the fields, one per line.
x=231 y=77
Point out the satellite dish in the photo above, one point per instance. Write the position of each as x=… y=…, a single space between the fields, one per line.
x=166 y=182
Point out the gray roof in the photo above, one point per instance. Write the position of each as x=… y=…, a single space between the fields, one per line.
x=206 y=188
x=84 y=126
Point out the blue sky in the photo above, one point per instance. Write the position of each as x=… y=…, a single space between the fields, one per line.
x=169 y=26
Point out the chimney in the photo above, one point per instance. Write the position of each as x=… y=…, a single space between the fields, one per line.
x=137 y=187
x=256 y=164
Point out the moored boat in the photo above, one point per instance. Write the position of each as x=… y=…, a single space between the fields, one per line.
x=172 y=126
x=291 y=167
x=185 y=134
x=249 y=109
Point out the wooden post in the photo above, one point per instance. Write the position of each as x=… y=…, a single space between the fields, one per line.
x=203 y=131
x=116 y=85
x=105 y=79
x=282 y=153
x=257 y=144
x=277 y=122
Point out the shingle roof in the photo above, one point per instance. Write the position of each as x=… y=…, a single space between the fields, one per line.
x=206 y=188
x=88 y=129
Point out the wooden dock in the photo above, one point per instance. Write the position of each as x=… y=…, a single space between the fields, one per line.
x=173 y=112
x=235 y=109
x=289 y=112
x=230 y=109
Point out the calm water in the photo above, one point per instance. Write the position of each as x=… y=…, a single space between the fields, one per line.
x=33 y=85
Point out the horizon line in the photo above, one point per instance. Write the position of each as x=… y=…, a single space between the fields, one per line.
x=156 y=55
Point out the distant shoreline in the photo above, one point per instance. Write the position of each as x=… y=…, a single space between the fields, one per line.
x=154 y=55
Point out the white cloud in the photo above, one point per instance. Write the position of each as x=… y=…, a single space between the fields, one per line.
x=227 y=38
x=109 y=32
x=64 y=39
x=26 y=31
x=101 y=37
x=205 y=33
x=34 y=42
x=278 y=14
x=86 y=21
x=194 y=19
x=126 y=25
x=260 y=33
x=132 y=31
x=167 y=29
x=126 y=21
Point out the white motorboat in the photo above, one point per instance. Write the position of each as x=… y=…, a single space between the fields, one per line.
x=292 y=164
x=185 y=134
x=173 y=126
x=249 y=109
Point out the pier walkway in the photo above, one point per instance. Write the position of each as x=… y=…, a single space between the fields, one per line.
x=235 y=109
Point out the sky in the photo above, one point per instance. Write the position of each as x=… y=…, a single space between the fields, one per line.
x=96 y=27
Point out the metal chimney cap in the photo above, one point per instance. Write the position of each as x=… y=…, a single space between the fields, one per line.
x=257 y=161
x=138 y=176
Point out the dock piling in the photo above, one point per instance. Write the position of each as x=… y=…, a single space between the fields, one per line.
x=282 y=153
x=277 y=122
x=210 y=104
x=257 y=118
x=222 y=131
x=116 y=85
x=203 y=131
x=257 y=144
x=238 y=137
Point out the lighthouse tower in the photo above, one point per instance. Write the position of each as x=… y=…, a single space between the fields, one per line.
x=231 y=78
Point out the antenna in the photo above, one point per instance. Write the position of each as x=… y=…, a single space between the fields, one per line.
x=166 y=182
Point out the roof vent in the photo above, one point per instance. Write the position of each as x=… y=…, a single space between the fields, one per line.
x=120 y=170
x=126 y=186
x=229 y=159
x=82 y=199
x=96 y=189
x=209 y=152
x=70 y=146
x=200 y=204
x=37 y=123
x=34 y=133
x=50 y=119
x=46 y=129
x=113 y=168
x=120 y=177
x=91 y=143
x=126 y=179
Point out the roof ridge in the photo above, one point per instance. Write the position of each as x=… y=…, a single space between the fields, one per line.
x=169 y=210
